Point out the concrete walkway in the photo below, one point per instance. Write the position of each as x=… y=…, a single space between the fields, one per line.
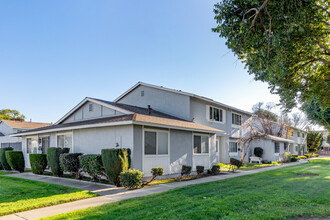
x=120 y=195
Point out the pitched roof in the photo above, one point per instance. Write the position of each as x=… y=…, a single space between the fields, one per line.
x=275 y=138
x=182 y=93
x=139 y=116
x=25 y=124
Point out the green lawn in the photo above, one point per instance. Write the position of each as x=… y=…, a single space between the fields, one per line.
x=296 y=191
x=19 y=195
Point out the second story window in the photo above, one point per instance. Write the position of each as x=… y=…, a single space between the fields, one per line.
x=215 y=114
x=303 y=135
x=298 y=134
x=236 y=119
x=90 y=107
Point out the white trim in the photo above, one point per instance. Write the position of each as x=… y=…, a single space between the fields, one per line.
x=87 y=99
x=181 y=93
x=74 y=128
x=220 y=109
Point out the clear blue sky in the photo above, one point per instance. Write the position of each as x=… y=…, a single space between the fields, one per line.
x=55 y=53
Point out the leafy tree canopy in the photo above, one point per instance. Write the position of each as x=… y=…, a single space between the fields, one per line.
x=317 y=114
x=11 y=114
x=313 y=140
x=284 y=43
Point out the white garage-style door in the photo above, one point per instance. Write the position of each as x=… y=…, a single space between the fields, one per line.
x=156 y=150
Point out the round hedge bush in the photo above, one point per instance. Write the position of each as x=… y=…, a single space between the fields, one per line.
x=200 y=169
x=3 y=159
x=70 y=163
x=15 y=160
x=215 y=169
x=185 y=170
x=92 y=164
x=38 y=163
x=258 y=151
x=131 y=179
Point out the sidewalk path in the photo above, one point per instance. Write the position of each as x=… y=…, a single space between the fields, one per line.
x=121 y=194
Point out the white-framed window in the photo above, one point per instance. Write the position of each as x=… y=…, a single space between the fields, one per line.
x=201 y=144
x=215 y=114
x=303 y=135
x=31 y=145
x=156 y=143
x=233 y=147
x=277 y=147
x=236 y=119
x=90 y=107
x=64 y=141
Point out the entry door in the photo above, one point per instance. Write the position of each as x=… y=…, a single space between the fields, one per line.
x=44 y=144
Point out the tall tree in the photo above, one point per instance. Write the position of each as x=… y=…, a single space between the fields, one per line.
x=284 y=43
x=313 y=140
x=11 y=114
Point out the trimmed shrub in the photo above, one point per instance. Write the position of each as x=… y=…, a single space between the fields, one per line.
x=199 y=169
x=53 y=158
x=3 y=160
x=185 y=170
x=215 y=169
x=302 y=157
x=92 y=164
x=285 y=157
x=114 y=162
x=129 y=157
x=38 y=163
x=15 y=160
x=1 y=168
x=311 y=150
x=294 y=155
x=307 y=155
x=157 y=171
x=293 y=159
x=235 y=162
x=131 y=179
x=69 y=162
x=258 y=151
x=316 y=155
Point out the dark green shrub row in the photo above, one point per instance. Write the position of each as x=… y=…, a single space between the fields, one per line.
x=38 y=163
x=131 y=179
x=115 y=161
x=199 y=169
x=92 y=165
x=53 y=158
x=185 y=170
x=293 y=159
x=70 y=163
x=258 y=151
x=15 y=160
x=3 y=160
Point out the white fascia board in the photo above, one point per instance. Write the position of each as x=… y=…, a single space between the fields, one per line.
x=110 y=124
x=87 y=99
x=179 y=128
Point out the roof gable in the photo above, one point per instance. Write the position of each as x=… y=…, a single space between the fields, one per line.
x=92 y=100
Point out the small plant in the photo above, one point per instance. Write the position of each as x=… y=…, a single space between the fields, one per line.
x=285 y=157
x=215 y=169
x=3 y=160
x=185 y=170
x=307 y=155
x=235 y=163
x=15 y=160
x=294 y=155
x=302 y=157
x=316 y=155
x=156 y=171
x=293 y=159
x=70 y=163
x=92 y=164
x=199 y=169
x=114 y=162
x=131 y=179
x=258 y=151
x=38 y=163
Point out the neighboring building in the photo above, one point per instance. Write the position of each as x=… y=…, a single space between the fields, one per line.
x=8 y=127
x=325 y=145
x=299 y=146
x=163 y=127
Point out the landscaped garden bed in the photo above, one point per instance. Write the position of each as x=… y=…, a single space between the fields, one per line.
x=273 y=194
